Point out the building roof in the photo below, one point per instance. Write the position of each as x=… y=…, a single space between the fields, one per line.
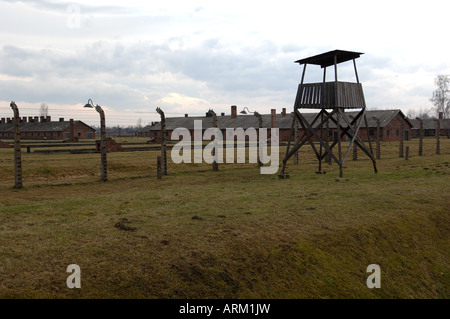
x=385 y=117
x=430 y=124
x=53 y=126
x=282 y=122
x=327 y=59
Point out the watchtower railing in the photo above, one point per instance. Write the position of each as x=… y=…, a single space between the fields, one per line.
x=322 y=95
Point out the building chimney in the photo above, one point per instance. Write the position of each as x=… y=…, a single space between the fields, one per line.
x=61 y=119
x=30 y=119
x=8 y=120
x=49 y=119
x=24 y=119
x=42 y=118
x=36 y=119
x=186 y=115
x=3 y=120
x=222 y=114
x=441 y=115
x=233 y=111
x=273 y=118
x=283 y=112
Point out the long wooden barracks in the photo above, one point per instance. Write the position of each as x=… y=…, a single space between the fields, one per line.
x=40 y=128
x=390 y=123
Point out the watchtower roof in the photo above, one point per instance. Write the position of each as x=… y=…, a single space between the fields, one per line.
x=327 y=59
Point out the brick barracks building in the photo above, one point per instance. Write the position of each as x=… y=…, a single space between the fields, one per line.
x=430 y=126
x=391 y=123
x=43 y=128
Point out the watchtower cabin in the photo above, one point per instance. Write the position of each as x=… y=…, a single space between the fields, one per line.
x=332 y=99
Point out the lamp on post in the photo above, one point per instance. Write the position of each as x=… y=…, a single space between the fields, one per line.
x=103 y=169
x=255 y=114
x=244 y=112
x=260 y=125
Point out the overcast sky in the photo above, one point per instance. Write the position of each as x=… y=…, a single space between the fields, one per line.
x=188 y=56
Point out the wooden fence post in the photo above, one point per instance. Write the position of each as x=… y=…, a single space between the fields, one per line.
x=438 y=133
x=400 y=151
x=158 y=167
x=215 y=165
x=163 y=142
x=103 y=147
x=260 y=125
x=420 y=137
x=17 y=149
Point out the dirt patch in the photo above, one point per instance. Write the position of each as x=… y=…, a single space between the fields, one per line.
x=121 y=225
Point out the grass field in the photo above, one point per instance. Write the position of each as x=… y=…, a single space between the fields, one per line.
x=228 y=234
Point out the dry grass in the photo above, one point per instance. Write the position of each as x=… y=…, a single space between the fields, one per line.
x=228 y=234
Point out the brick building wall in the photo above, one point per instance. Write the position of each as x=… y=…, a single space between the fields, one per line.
x=392 y=131
x=43 y=128
x=81 y=131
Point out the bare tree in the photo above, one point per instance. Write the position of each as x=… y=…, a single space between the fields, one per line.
x=43 y=110
x=424 y=116
x=441 y=97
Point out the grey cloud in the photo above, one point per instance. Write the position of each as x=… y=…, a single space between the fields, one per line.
x=24 y=63
x=210 y=62
x=221 y=68
x=117 y=72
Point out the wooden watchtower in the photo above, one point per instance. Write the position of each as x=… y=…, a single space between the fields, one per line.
x=332 y=99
